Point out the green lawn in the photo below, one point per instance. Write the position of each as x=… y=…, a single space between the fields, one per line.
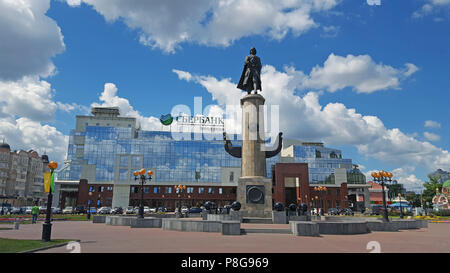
x=14 y=245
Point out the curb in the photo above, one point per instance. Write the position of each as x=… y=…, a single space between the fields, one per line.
x=49 y=247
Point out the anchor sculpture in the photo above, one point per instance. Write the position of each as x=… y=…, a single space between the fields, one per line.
x=236 y=151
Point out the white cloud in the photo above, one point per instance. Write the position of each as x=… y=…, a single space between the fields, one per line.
x=334 y=123
x=29 y=39
x=26 y=134
x=31 y=98
x=330 y=31
x=167 y=24
x=109 y=98
x=183 y=75
x=405 y=176
x=24 y=105
x=431 y=7
x=432 y=124
x=359 y=72
x=431 y=136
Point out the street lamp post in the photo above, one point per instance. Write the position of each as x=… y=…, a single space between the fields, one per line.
x=321 y=189
x=383 y=177
x=141 y=174
x=180 y=189
x=47 y=226
x=400 y=200
x=89 y=206
x=317 y=205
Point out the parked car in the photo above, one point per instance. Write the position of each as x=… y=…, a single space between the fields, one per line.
x=66 y=210
x=93 y=210
x=195 y=210
x=4 y=210
x=129 y=210
x=42 y=209
x=28 y=210
x=56 y=210
x=146 y=210
x=374 y=210
x=346 y=211
x=184 y=209
x=104 y=210
x=117 y=210
x=161 y=209
x=80 y=209
x=152 y=210
x=15 y=210
x=333 y=211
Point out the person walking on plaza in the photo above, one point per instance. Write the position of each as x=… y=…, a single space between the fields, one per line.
x=34 y=213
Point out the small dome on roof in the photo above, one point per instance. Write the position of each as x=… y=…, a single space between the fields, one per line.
x=5 y=146
x=446 y=184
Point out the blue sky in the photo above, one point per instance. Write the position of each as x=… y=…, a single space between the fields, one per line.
x=372 y=75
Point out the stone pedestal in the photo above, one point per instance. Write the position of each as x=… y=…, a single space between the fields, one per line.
x=304 y=228
x=255 y=196
x=279 y=217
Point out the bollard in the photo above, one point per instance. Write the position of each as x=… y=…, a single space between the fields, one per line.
x=16 y=225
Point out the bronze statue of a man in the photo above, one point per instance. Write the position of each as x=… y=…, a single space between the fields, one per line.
x=251 y=75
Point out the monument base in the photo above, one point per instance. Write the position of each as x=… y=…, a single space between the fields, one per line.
x=255 y=195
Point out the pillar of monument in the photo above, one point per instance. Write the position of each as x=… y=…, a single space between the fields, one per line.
x=253 y=156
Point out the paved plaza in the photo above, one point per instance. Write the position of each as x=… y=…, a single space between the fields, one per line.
x=106 y=238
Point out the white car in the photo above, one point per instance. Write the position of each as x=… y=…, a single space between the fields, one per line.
x=153 y=210
x=129 y=210
x=146 y=210
x=28 y=210
x=184 y=209
x=68 y=210
x=104 y=210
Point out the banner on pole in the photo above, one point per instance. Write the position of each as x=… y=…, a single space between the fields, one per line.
x=47 y=181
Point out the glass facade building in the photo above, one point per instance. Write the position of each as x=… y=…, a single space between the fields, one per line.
x=178 y=161
x=106 y=149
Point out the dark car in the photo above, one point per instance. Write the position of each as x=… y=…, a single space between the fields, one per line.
x=56 y=210
x=161 y=209
x=80 y=210
x=15 y=210
x=117 y=210
x=333 y=211
x=346 y=211
x=195 y=210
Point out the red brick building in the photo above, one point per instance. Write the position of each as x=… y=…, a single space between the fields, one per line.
x=290 y=182
x=157 y=195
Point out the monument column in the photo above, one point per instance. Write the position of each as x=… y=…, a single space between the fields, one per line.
x=253 y=154
x=254 y=190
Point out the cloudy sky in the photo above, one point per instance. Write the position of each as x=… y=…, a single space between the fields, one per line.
x=372 y=80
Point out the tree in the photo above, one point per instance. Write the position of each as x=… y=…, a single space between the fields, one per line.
x=413 y=199
x=430 y=189
x=394 y=189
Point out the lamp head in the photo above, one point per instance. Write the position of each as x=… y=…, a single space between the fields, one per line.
x=53 y=165
x=142 y=171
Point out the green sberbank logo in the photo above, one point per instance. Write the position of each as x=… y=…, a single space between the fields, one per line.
x=166 y=119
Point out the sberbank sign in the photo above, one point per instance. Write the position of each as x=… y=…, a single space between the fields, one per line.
x=193 y=120
x=200 y=120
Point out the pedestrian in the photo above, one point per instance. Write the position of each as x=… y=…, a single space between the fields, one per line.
x=34 y=213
